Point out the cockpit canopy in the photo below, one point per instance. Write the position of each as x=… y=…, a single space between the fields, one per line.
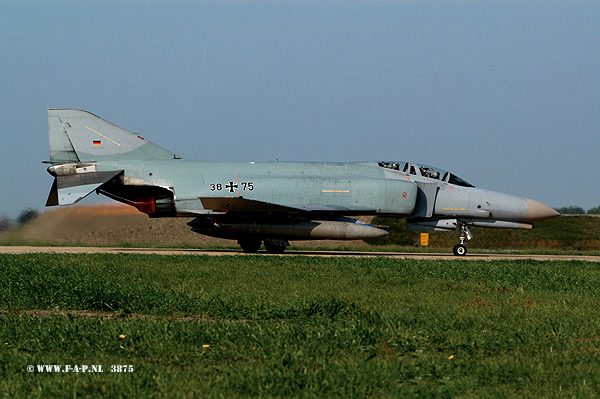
x=426 y=171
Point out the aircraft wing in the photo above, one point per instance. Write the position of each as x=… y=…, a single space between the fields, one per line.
x=240 y=204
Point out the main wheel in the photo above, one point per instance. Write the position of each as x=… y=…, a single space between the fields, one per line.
x=250 y=245
x=460 y=250
x=274 y=249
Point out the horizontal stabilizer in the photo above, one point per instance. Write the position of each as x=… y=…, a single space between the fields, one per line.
x=70 y=189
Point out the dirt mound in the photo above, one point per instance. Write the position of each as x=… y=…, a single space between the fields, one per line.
x=107 y=225
x=119 y=224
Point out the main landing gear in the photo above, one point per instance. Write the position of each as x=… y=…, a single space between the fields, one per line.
x=465 y=237
x=251 y=245
x=276 y=246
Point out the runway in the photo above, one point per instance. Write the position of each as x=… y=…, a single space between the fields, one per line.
x=353 y=254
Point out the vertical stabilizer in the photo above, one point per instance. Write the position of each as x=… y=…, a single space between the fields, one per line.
x=79 y=136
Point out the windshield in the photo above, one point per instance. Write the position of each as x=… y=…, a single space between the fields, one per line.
x=393 y=165
x=429 y=172
x=458 y=181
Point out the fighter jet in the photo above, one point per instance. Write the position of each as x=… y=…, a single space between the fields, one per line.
x=269 y=202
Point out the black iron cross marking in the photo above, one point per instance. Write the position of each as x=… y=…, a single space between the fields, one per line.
x=231 y=187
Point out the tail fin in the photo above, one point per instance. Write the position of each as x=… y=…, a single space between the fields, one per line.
x=79 y=136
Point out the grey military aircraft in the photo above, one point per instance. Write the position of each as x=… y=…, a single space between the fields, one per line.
x=270 y=202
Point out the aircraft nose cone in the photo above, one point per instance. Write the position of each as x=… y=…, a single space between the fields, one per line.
x=537 y=211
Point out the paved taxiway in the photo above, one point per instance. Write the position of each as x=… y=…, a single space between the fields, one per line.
x=176 y=251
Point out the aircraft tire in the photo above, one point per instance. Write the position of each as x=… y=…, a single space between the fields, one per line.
x=250 y=245
x=274 y=249
x=460 y=250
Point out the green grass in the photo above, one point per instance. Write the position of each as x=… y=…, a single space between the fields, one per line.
x=300 y=327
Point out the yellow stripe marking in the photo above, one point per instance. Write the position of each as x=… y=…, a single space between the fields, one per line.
x=454 y=209
x=335 y=191
x=101 y=135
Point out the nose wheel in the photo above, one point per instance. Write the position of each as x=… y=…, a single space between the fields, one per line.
x=465 y=237
x=460 y=250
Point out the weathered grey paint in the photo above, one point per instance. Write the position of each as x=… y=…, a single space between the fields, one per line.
x=274 y=201
x=366 y=191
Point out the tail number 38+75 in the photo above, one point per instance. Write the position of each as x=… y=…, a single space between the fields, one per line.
x=232 y=186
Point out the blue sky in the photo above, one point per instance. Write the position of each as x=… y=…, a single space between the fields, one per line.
x=506 y=94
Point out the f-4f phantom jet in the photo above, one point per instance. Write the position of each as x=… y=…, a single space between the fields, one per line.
x=270 y=202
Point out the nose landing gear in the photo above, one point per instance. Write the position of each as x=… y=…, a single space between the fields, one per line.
x=465 y=237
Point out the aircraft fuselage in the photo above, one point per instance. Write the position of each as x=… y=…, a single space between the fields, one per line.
x=270 y=202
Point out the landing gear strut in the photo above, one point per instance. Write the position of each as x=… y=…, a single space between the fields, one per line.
x=465 y=237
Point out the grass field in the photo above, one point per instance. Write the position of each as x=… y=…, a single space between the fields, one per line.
x=247 y=326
